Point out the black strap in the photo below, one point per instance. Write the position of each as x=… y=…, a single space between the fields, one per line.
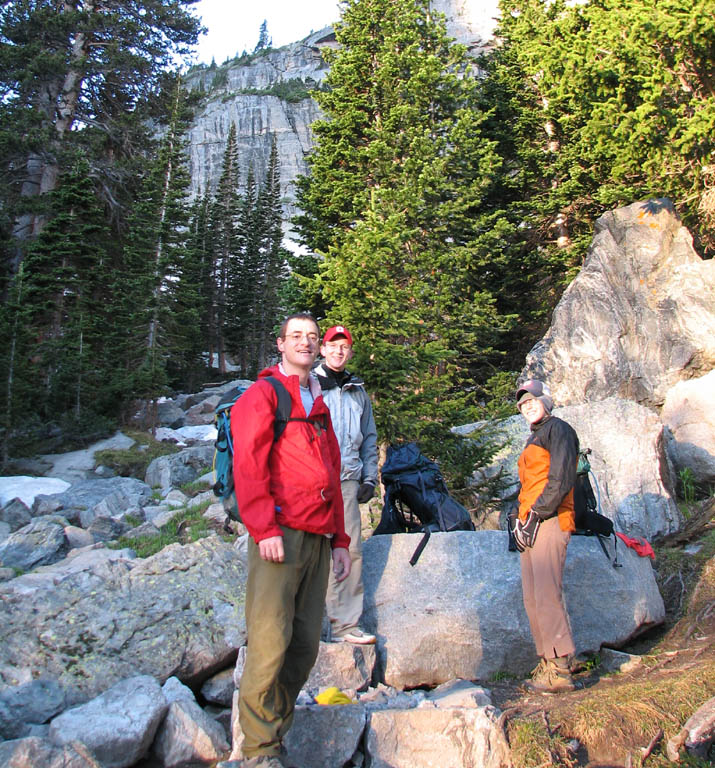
x=418 y=551
x=283 y=410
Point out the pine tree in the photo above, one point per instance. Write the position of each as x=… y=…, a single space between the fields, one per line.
x=64 y=302
x=397 y=178
x=153 y=261
x=264 y=41
x=75 y=63
x=226 y=248
x=626 y=106
x=272 y=274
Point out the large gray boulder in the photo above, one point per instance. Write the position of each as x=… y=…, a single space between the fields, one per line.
x=40 y=542
x=100 y=497
x=188 y=736
x=36 y=752
x=90 y=625
x=16 y=514
x=176 y=469
x=459 y=611
x=118 y=726
x=465 y=737
x=689 y=415
x=639 y=316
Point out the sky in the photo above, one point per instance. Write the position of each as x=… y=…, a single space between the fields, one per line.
x=233 y=25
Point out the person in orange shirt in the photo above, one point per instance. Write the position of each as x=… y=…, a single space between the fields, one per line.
x=547 y=473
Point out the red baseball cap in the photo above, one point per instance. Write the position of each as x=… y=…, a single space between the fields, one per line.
x=335 y=332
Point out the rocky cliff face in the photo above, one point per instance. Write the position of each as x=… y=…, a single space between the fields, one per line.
x=266 y=95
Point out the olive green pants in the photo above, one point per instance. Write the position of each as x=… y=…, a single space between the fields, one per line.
x=284 y=613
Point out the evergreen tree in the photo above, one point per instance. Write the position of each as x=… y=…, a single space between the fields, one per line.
x=70 y=64
x=155 y=256
x=272 y=273
x=66 y=273
x=264 y=41
x=192 y=299
x=624 y=89
x=397 y=178
x=226 y=248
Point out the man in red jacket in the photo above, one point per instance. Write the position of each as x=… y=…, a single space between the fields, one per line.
x=288 y=493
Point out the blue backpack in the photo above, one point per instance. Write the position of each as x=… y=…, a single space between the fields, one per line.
x=223 y=453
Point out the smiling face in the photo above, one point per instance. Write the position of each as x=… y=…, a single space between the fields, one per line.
x=532 y=410
x=299 y=346
x=337 y=353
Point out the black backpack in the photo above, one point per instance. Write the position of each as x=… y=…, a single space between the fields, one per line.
x=589 y=521
x=416 y=497
x=223 y=453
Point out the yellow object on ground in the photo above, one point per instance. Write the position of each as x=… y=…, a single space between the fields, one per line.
x=333 y=696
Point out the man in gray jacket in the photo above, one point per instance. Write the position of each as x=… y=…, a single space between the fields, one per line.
x=354 y=425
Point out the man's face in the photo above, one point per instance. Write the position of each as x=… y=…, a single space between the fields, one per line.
x=533 y=410
x=300 y=345
x=337 y=353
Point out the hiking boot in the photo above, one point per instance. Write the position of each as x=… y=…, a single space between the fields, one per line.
x=551 y=679
x=356 y=636
x=537 y=669
x=263 y=761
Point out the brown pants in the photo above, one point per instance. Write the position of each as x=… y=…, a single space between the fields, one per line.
x=542 y=571
x=284 y=612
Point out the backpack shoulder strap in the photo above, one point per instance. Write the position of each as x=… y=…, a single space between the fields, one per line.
x=283 y=411
x=282 y=415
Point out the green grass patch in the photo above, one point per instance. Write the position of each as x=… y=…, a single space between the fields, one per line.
x=133 y=461
x=185 y=527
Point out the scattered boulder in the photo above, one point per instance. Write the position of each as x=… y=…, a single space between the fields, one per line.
x=325 y=737
x=100 y=497
x=187 y=735
x=638 y=317
x=349 y=667
x=30 y=701
x=219 y=688
x=203 y=412
x=170 y=414
x=16 y=514
x=118 y=726
x=173 y=471
x=459 y=613
x=35 y=751
x=94 y=620
x=41 y=542
x=688 y=414
x=437 y=736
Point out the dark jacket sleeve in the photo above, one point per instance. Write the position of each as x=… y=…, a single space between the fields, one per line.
x=561 y=442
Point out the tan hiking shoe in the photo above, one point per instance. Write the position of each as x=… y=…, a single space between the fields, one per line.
x=551 y=679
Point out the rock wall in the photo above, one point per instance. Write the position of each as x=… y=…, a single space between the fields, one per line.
x=259 y=116
x=637 y=319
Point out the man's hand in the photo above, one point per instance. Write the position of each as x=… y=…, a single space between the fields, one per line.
x=271 y=549
x=341 y=563
x=365 y=492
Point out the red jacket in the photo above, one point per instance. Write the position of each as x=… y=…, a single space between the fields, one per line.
x=294 y=482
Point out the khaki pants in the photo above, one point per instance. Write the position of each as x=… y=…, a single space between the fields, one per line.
x=542 y=571
x=344 y=600
x=284 y=612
